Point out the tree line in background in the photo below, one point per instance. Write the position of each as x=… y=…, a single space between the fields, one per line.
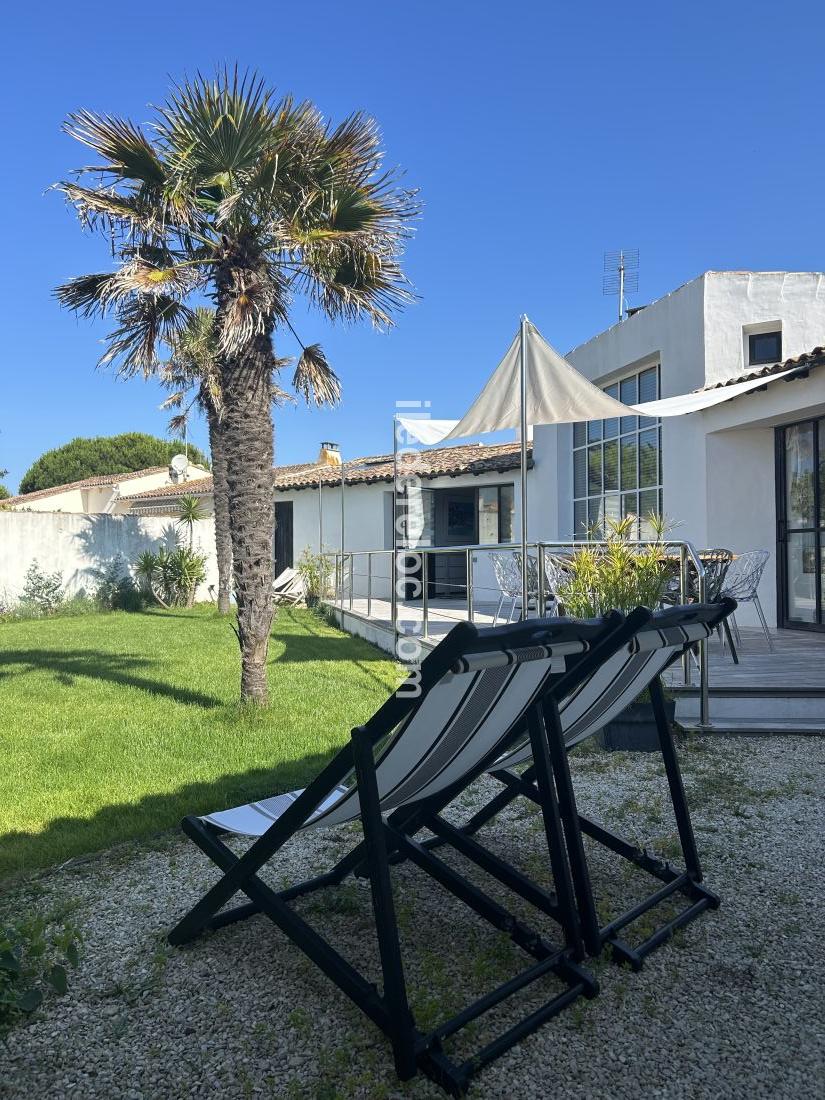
x=246 y=200
x=93 y=457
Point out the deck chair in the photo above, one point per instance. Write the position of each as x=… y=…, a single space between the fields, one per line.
x=576 y=711
x=470 y=703
x=288 y=587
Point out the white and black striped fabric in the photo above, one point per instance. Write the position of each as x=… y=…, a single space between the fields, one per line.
x=457 y=725
x=615 y=684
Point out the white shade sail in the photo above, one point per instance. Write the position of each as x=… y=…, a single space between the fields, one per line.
x=556 y=394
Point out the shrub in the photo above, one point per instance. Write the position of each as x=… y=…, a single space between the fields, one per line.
x=171 y=576
x=317 y=573
x=615 y=574
x=33 y=962
x=42 y=592
x=4 y=493
x=116 y=591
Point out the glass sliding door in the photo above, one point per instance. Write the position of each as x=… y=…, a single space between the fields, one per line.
x=801 y=523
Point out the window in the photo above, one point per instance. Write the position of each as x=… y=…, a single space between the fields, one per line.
x=764 y=347
x=617 y=463
x=495 y=514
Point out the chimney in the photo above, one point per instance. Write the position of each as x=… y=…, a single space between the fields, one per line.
x=329 y=455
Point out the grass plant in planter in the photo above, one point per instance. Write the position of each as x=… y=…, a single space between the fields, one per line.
x=316 y=571
x=617 y=574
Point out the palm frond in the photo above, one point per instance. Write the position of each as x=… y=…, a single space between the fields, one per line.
x=145 y=321
x=179 y=423
x=105 y=207
x=281 y=397
x=174 y=400
x=314 y=379
x=89 y=295
x=124 y=147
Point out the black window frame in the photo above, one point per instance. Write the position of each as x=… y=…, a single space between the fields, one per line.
x=755 y=360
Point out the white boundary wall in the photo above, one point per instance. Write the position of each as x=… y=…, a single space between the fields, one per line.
x=79 y=546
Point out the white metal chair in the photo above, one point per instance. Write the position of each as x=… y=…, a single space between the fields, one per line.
x=508 y=579
x=741 y=583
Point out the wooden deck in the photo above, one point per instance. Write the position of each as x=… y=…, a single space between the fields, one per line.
x=796 y=667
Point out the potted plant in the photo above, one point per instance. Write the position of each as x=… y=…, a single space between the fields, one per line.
x=314 y=569
x=616 y=574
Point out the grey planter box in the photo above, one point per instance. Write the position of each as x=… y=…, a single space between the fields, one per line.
x=635 y=729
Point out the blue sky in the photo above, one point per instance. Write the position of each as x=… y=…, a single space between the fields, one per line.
x=540 y=135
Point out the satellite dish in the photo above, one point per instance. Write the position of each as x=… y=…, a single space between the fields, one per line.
x=179 y=465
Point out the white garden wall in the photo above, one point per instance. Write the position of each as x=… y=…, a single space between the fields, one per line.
x=79 y=546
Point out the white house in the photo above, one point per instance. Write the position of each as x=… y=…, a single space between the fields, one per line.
x=466 y=497
x=742 y=474
x=745 y=474
x=105 y=494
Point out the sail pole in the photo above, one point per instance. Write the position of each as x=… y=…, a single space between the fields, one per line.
x=523 y=429
x=393 y=567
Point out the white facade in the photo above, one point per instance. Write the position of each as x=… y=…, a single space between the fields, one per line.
x=80 y=547
x=90 y=497
x=718 y=466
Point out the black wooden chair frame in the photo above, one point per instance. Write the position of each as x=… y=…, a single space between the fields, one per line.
x=687 y=882
x=394 y=839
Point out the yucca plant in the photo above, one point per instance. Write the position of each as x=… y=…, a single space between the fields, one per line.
x=171 y=576
x=249 y=199
x=615 y=573
x=190 y=511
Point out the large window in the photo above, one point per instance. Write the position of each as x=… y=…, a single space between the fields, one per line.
x=495 y=513
x=617 y=463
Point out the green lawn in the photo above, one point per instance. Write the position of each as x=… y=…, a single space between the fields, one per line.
x=114 y=726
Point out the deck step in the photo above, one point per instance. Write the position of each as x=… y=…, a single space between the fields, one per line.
x=743 y=727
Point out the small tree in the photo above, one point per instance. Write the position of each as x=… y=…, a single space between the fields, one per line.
x=190 y=510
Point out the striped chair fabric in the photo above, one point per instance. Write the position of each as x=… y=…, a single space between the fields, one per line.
x=457 y=726
x=615 y=684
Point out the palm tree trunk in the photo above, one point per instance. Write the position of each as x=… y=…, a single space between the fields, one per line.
x=220 y=495
x=247 y=436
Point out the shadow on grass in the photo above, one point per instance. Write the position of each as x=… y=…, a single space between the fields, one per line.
x=69 y=665
x=68 y=837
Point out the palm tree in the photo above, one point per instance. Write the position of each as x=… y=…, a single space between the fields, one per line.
x=194 y=366
x=251 y=200
x=193 y=376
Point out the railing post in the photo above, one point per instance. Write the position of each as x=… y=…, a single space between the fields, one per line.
x=369 y=585
x=351 y=578
x=425 y=610
x=394 y=598
x=683 y=591
x=541 y=598
x=469 y=569
x=704 y=684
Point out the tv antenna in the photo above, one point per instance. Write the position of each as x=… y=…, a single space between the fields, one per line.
x=621 y=275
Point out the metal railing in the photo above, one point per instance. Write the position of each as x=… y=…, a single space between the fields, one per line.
x=364 y=579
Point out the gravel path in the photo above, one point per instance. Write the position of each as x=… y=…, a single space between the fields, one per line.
x=732 y=1008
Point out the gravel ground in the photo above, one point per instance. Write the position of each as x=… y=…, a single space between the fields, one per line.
x=732 y=1007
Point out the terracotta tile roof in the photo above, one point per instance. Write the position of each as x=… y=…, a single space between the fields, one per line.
x=472 y=458
x=85 y=483
x=197 y=487
x=803 y=363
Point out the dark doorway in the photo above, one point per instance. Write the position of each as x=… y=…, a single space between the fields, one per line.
x=800 y=509
x=283 y=536
x=456 y=524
